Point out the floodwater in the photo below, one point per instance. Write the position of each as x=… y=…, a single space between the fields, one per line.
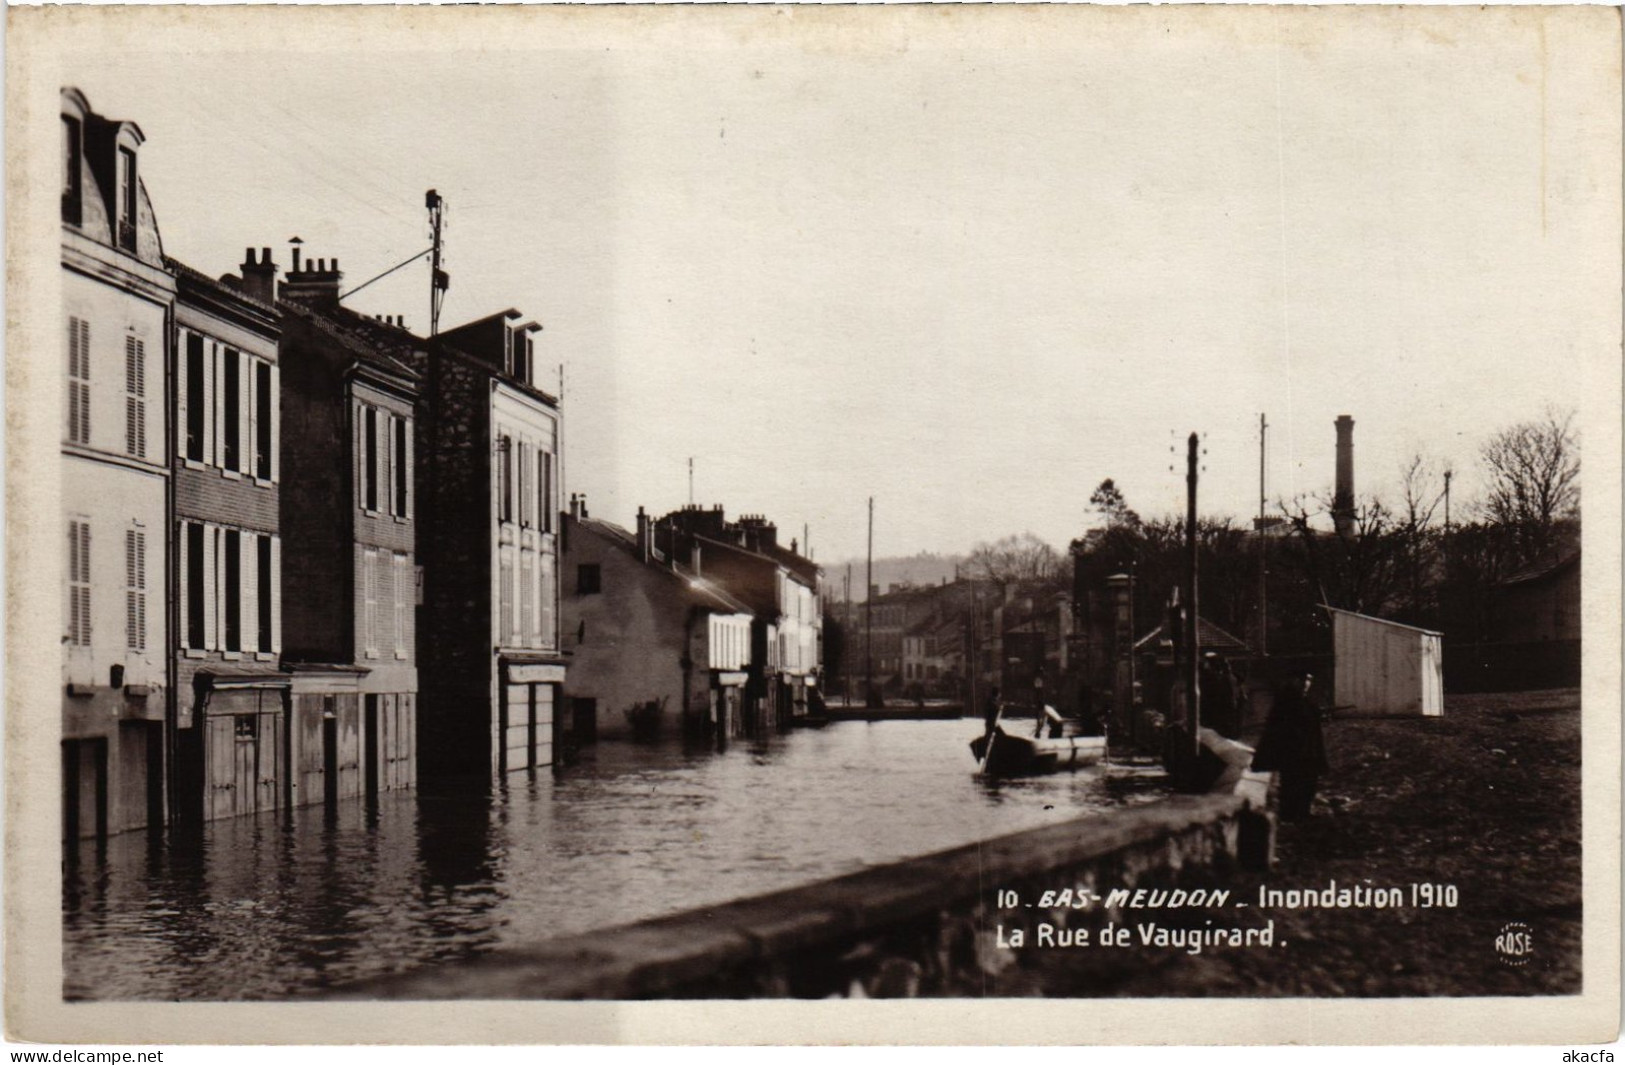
x=263 y=908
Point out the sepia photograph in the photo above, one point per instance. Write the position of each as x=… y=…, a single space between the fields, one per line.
x=742 y=512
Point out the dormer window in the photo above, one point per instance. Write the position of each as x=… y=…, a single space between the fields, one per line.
x=72 y=147
x=126 y=199
x=521 y=356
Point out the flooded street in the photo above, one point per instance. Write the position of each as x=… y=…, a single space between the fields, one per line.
x=263 y=908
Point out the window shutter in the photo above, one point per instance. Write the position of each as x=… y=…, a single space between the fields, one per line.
x=78 y=381
x=380 y=449
x=211 y=588
x=359 y=463
x=276 y=594
x=410 y=470
x=211 y=405
x=73 y=582
x=524 y=483
x=402 y=599
x=248 y=574
x=132 y=622
x=276 y=423
x=84 y=587
x=385 y=428
x=135 y=401
x=245 y=414
x=183 y=340
x=251 y=416
x=183 y=589
x=369 y=613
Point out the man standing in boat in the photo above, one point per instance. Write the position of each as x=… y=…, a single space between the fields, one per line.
x=990 y=713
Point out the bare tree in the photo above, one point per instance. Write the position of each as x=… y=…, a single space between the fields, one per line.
x=1016 y=559
x=1357 y=568
x=1532 y=471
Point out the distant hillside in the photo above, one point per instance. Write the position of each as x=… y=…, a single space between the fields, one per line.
x=924 y=568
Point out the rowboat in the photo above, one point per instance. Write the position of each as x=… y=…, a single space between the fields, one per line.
x=1028 y=755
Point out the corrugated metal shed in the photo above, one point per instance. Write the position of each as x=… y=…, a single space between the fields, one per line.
x=1384 y=667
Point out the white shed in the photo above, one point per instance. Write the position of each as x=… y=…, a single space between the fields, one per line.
x=1383 y=667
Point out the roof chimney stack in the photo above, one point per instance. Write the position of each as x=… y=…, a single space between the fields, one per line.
x=643 y=536
x=316 y=284
x=1343 y=495
x=259 y=275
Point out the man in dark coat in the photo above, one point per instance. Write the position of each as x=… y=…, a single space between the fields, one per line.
x=990 y=712
x=1292 y=746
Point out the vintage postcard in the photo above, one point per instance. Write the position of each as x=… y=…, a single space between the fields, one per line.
x=813 y=524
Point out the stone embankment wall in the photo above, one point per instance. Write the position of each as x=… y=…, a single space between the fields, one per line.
x=920 y=926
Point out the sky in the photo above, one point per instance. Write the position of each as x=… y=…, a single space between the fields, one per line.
x=968 y=268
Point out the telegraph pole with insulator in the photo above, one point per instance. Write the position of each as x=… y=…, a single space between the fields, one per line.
x=439 y=280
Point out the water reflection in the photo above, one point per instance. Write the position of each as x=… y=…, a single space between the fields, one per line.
x=259 y=908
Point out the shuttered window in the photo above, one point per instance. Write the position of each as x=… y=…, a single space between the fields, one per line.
x=505 y=463
x=369 y=592
x=276 y=594
x=194 y=401
x=544 y=490
x=401 y=464
x=135 y=397
x=135 y=589
x=79 y=583
x=266 y=591
x=369 y=458
x=549 y=587
x=78 y=381
x=231 y=390
x=264 y=397
x=233 y=581
x=527 y=596
x=505 y=598
x=523 y=458
x=193 y=601
x=401 y=598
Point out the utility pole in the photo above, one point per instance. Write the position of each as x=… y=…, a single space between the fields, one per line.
x=1193 y=652
x=1447 y=475
x=1263 y=550
x=691 y=480
x=439 y=281
x=846 y=637
x=869 y=610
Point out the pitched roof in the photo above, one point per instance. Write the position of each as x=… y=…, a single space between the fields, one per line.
x=1545 y=568
x=377 y=343
x=709 y=593
x=1208 y=635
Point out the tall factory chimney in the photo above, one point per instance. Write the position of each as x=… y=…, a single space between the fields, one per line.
x=1343 y=496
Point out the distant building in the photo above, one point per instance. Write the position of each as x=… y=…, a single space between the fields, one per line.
x=1541 y=603
x=654 y=646
x=349 y=518
x=781 y=589
x=117 y=296
x=232 y=695
x=489 y=477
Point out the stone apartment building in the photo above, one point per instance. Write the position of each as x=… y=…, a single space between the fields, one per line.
x=349 y=388
x=117 y=298
x=489 y=473
x=226 y=588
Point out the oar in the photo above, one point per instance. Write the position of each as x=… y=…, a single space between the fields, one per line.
x=992 y=734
